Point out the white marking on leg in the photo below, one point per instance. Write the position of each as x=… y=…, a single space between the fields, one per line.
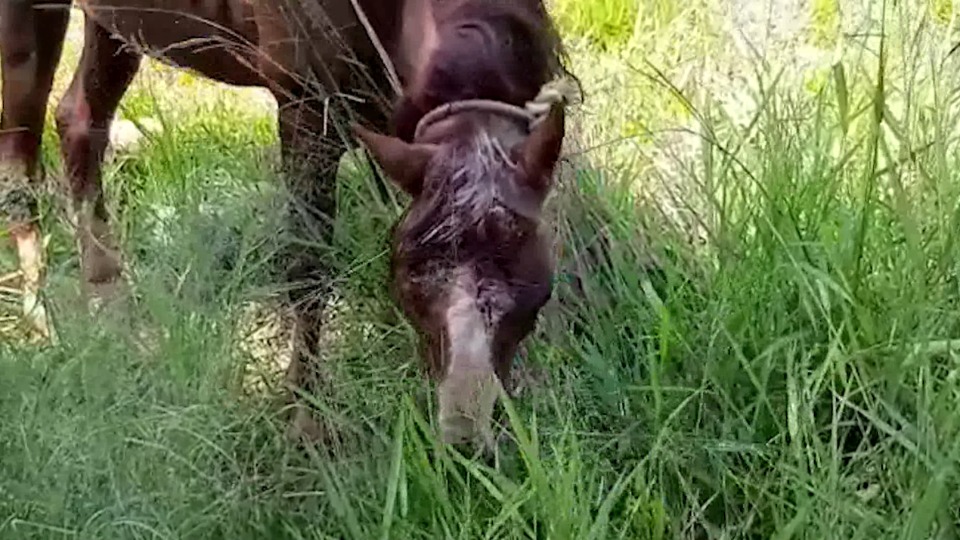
x=30 y=252
x=470 y=386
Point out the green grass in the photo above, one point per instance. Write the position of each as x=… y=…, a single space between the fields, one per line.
x=826 y=14
x=941 y=11
x=791 y=374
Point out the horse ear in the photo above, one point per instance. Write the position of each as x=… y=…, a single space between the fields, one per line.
x=405 y=163
x=540 y=152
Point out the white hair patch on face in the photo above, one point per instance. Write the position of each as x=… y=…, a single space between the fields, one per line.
x=469 y=389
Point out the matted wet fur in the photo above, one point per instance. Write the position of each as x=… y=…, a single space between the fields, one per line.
x=470 y=260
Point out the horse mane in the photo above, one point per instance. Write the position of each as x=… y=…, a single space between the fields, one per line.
x=503 y=50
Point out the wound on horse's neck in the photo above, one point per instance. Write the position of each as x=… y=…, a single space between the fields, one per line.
x=499 y=51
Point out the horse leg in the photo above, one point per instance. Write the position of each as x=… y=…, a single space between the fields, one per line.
x=105 y=72
x=31 y=40
x=310 y=164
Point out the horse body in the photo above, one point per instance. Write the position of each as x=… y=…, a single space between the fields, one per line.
x=216 y=38
x=320 y=62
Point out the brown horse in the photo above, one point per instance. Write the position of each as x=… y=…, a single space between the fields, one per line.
x=470 y=264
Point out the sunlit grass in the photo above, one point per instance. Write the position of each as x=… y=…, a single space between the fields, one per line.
x=790 y=374
x=825 y=22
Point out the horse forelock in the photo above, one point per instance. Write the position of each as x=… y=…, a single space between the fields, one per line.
x=496 y=50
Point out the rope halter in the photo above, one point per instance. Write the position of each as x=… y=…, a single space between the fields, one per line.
x=561 y=90
x=533 y=113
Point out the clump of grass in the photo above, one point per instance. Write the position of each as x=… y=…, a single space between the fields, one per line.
x=606 y=24
x=611 y=25
x=793 y=374
x=942 y=11
x=627 y=102
x=825 y=22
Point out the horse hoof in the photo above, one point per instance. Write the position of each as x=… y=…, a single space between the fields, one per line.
x=305 y=430
x=106 y=295
x=103 y=267
x=30 y=246
x=36 y=316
